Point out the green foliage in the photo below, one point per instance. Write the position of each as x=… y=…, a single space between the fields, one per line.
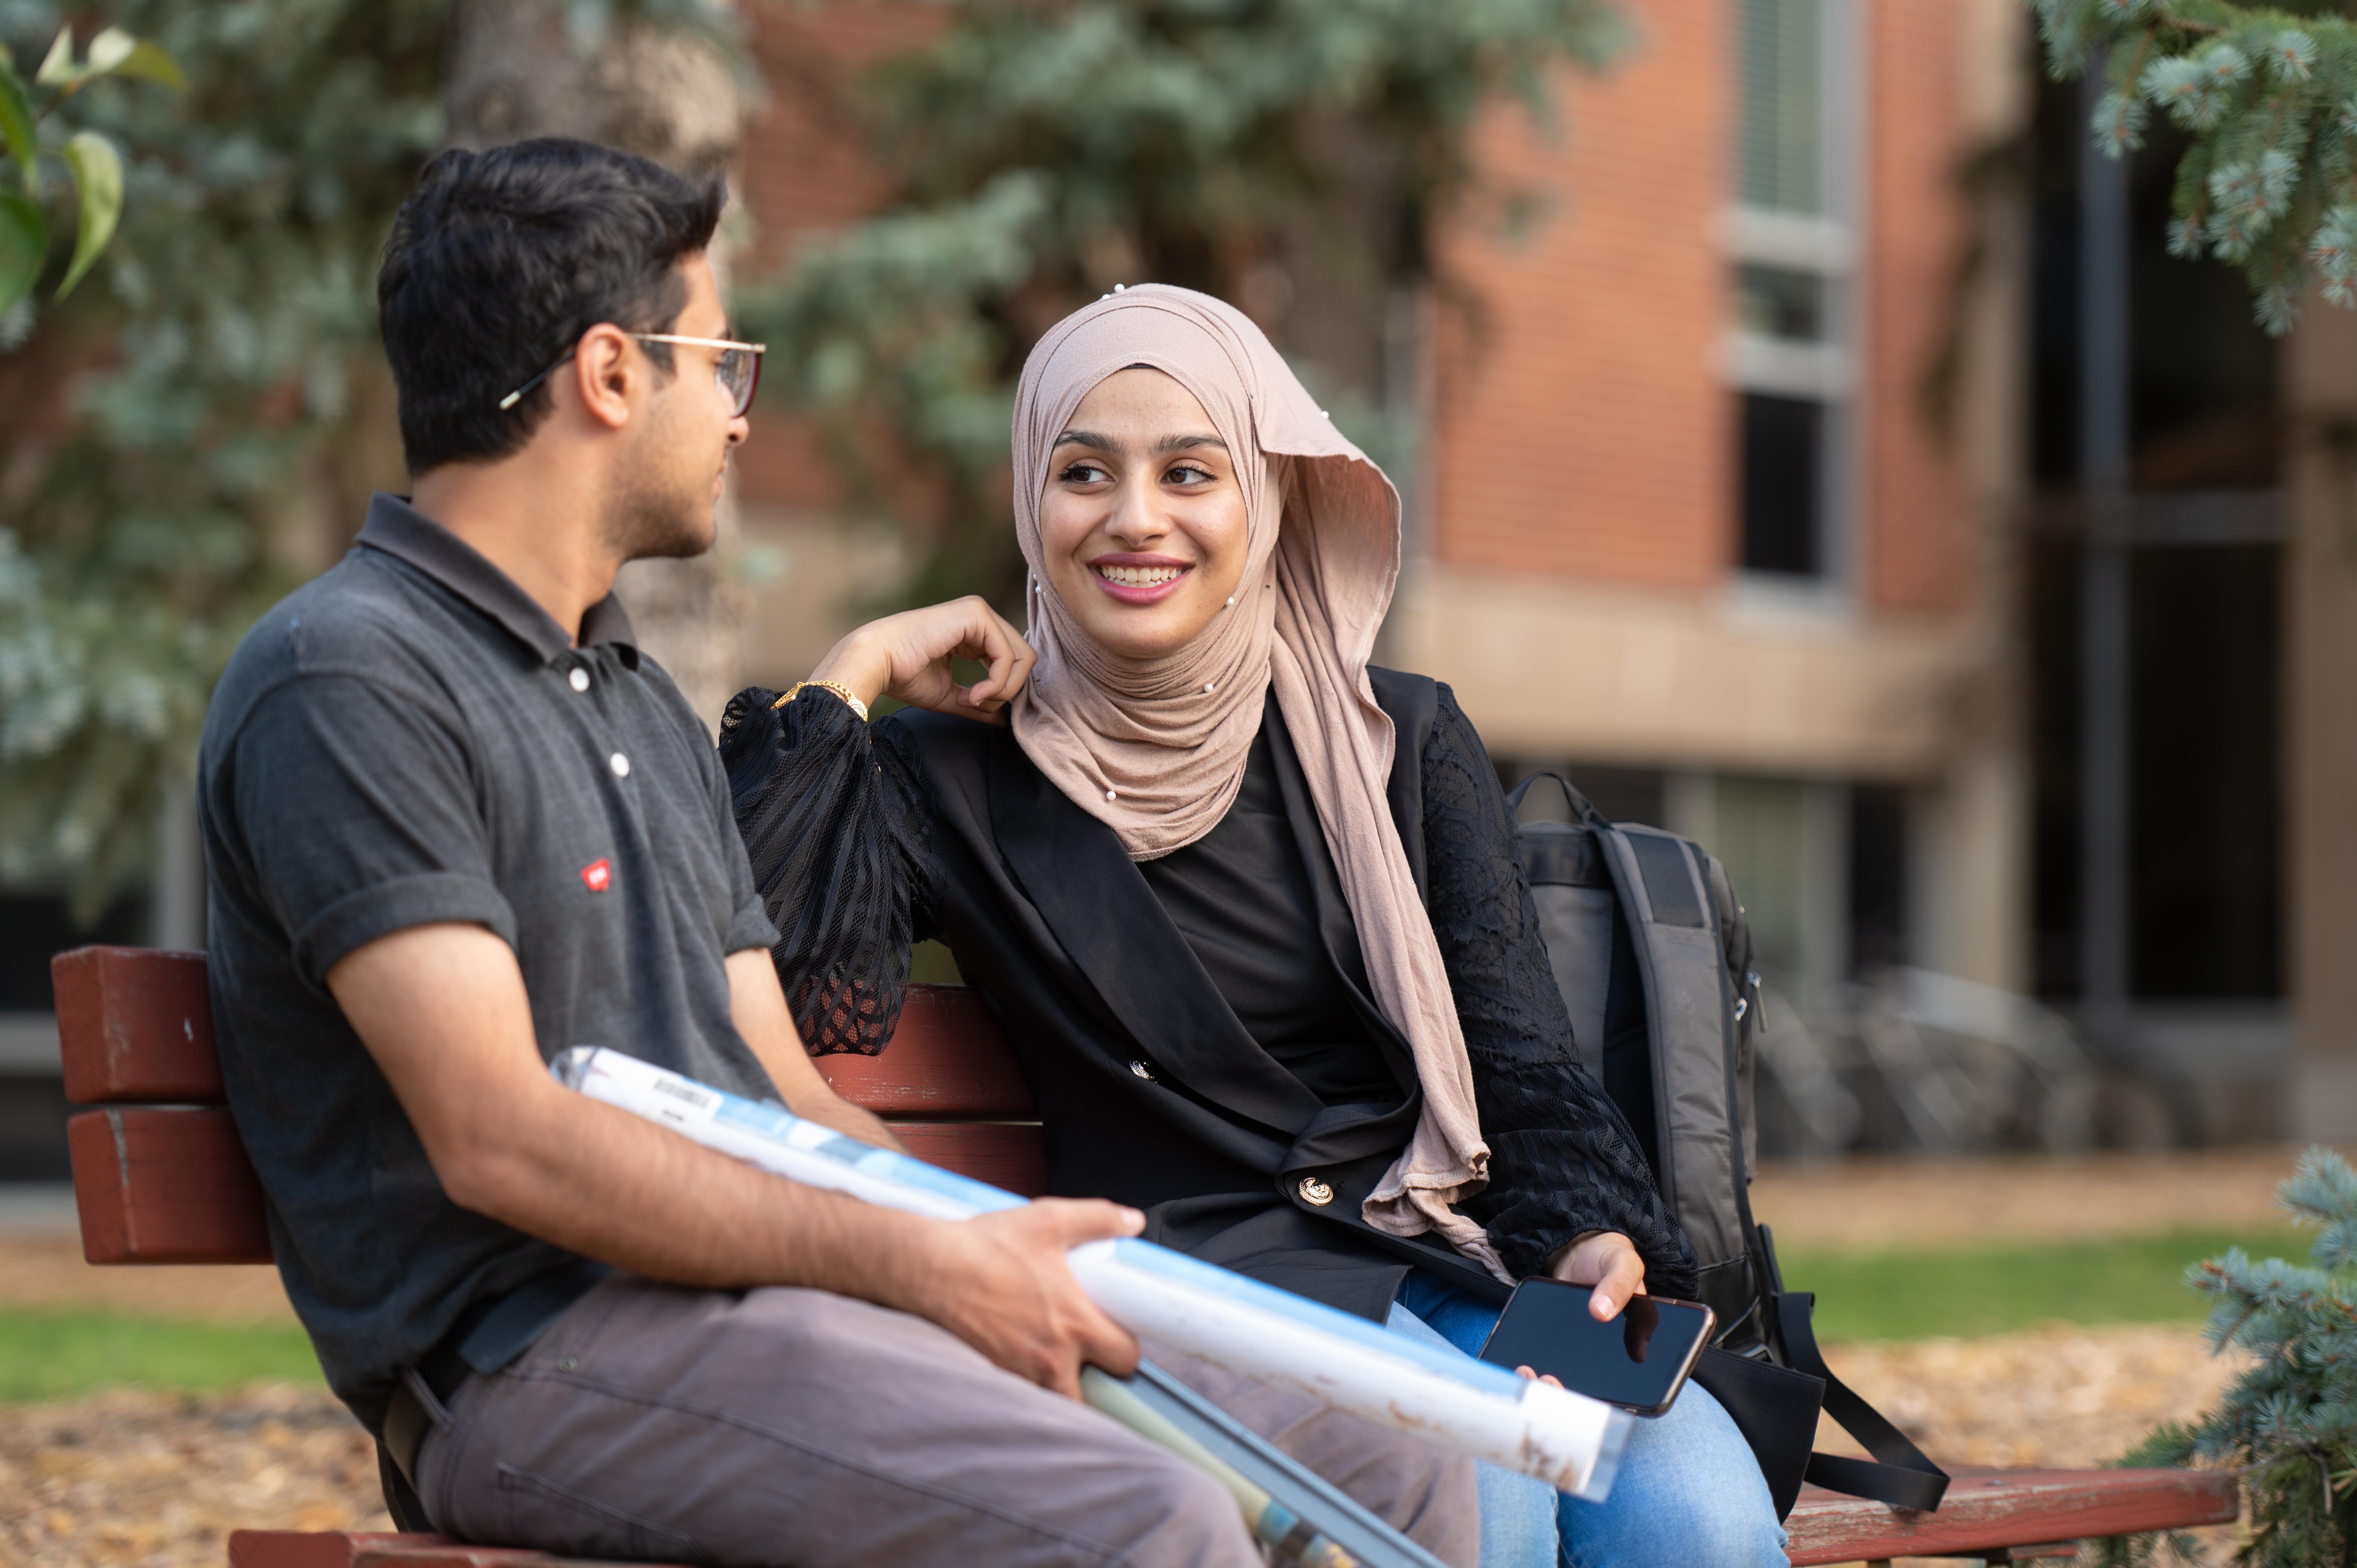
x=1041 y=154
x=179 y=400
x=2269 y=97
x=2290 y=1423
x=166 y=430
x=98 y=171
x=96 y=166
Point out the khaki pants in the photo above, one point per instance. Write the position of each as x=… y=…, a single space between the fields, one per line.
x=797 y=1429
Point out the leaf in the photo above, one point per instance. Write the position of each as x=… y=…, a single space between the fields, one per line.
x=113 y=52
x=107 y=50
x=149 y=62
x=98 y=170
x=24 y=246
x=57 y=64
x=17 y=129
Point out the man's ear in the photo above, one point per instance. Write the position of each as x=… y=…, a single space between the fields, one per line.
x=606 y=373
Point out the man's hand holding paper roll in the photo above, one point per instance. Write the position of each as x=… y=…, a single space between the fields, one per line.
x=1005 y=1289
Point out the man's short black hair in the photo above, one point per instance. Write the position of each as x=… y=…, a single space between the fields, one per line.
x=501 y=260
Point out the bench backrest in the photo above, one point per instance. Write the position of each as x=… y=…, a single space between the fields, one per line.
x=160 y=1176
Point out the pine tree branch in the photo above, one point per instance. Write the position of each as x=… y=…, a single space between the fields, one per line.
x=2267 y=100
x=2288 y=1423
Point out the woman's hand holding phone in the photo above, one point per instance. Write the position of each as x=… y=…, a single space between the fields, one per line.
x=1638 y=1362
x=1607 y=1261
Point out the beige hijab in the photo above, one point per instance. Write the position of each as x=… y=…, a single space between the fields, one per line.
x=1156 y=748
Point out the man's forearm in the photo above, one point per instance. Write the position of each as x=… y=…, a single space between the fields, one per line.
x=604 y=1183
x=758 y=1009
x=601 y=1182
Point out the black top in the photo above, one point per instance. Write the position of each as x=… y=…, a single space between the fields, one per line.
x=409 y=739
x=1152 y=1088
x=1246 y=895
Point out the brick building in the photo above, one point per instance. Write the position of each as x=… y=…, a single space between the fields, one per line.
x=1690 y=515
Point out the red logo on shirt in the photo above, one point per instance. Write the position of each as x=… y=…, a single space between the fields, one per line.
x=597 y=874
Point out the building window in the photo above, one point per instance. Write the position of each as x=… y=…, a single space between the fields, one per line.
x=1783 y=490
x=1782 y=155
x=1789 y=356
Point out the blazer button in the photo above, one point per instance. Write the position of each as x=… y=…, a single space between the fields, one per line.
x=1316 y=1192
x=1142 y=1071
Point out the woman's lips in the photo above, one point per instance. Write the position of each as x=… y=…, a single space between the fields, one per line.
x=1139 y=581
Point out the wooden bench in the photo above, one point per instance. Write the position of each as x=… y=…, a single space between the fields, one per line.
x=160 y=1177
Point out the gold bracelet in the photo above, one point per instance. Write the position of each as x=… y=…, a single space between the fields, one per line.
x=850 y=699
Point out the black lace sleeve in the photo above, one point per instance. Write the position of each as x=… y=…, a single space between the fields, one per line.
x=1563 y=1160
x=833 y=816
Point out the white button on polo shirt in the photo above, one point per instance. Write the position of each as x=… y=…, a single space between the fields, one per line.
x=619 y=764
x=579 y=679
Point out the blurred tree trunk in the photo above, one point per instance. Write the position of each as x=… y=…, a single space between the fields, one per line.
x=528 y=68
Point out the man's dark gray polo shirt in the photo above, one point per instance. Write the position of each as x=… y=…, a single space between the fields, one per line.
x=408 y=739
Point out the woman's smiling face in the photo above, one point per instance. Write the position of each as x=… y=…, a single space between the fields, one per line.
x=1142 y=520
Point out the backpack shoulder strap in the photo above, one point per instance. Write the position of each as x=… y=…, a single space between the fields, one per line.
x=1899 y=1474
x=1664 y=886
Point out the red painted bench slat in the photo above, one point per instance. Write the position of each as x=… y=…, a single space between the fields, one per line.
x=311 y=1547
x=365 y=1549
x=947 y=1059
x=157 y=1185
x=1011 y=1155
x=1988 y=1509
x=134 y=1025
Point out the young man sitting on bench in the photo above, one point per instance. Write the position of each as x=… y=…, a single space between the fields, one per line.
x=456 y=822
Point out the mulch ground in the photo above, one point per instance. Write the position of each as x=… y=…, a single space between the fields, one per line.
x=131 y=1478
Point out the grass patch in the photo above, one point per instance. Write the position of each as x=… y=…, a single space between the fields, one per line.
x=1913 y=1293
x=48 y=1355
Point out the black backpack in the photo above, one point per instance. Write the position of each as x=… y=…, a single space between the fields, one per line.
x=1654 y=958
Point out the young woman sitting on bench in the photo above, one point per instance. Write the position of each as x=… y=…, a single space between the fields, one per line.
x=1246 y=904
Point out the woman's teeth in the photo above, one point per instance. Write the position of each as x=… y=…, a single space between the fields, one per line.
x=1139 y=577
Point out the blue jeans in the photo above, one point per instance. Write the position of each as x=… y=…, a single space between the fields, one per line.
x=1689 y=1492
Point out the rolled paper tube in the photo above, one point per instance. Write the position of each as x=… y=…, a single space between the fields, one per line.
x=1569 y=1441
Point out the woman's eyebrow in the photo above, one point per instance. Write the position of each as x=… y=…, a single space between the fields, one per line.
x=1107 y=444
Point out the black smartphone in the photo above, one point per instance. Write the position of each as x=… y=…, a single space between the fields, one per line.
x=1637 y=1361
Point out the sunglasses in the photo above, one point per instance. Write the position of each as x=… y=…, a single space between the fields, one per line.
x=737 y=373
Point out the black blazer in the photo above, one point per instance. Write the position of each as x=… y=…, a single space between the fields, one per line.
x=1150 y=1090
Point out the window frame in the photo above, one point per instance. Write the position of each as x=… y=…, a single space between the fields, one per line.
x=1825 y=244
